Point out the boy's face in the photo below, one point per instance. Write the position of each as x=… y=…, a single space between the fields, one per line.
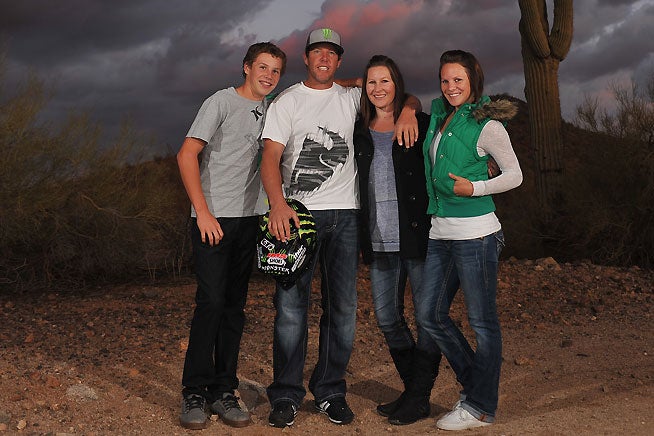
x=264 y=74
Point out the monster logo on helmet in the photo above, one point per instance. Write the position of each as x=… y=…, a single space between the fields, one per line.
x=285 y=261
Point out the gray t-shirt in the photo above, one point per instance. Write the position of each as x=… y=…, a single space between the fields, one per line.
x=384 y=215
x=229 y=163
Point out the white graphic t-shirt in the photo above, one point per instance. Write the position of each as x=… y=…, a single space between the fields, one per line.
x=316 y=127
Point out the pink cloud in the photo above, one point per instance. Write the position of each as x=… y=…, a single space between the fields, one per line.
x=350 y=18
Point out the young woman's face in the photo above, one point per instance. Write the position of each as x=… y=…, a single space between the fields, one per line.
x=455 y=84
x=380 y=87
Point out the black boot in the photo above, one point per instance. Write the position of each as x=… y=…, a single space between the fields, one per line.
x=403 y=360
x=414 y=404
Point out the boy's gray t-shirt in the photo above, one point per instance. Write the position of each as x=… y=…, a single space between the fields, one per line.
x=229 y=163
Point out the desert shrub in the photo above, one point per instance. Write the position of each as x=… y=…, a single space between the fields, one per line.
x=611 y=191
x=605 y=212
x=75 y=211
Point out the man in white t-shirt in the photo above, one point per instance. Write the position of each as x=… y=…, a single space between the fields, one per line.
x=219 y=165
x=309 y=154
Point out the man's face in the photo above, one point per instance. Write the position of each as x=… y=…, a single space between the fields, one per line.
x=263 y=76
x=322 y=61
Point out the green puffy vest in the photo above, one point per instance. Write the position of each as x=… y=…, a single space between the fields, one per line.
x=456 y=154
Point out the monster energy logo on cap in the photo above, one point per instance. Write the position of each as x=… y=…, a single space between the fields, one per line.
x=325 y=35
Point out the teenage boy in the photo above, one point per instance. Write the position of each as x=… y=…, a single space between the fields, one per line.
x=219 y=166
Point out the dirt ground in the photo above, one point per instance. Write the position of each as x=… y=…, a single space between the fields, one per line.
x=578 y=351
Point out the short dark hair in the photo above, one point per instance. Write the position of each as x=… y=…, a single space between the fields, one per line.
x=367 y=109
x=264 y=47
x=472 y=67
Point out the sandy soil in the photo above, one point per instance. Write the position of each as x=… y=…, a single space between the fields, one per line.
x=578 y=345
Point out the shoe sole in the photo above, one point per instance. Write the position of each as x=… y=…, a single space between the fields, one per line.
x=467 y=427
x=193 y=425
x=237 y=424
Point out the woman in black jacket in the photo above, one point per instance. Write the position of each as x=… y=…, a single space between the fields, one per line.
x=394 y=229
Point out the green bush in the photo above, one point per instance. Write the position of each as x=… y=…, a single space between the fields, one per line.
x=77 y=212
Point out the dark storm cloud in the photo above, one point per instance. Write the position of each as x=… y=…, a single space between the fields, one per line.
x=148 y=62
x=604 y=44
x=153 y=62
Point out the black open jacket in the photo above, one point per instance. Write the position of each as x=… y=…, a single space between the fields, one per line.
x=410 y=184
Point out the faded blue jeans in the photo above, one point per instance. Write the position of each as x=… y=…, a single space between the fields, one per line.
x=388 y=276
x=471 y=265
x=337 y=253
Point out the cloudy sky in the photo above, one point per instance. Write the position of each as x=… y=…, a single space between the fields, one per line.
x=154 y=62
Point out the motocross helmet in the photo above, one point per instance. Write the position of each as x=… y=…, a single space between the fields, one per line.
x=285 y=261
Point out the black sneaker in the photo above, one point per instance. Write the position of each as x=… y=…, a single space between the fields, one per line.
x=336 y=409
x=194 y=415
x=282 y=414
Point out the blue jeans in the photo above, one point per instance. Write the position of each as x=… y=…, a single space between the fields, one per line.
x=472 y=265
x=388 y=276
x=337 y=252
x=223 y=272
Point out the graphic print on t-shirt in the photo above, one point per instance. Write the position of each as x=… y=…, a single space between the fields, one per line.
x=257 y=112
x=318 y=160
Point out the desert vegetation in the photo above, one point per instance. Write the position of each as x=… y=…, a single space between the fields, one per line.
x=77 y=212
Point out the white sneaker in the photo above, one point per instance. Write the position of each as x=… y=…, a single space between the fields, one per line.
x=459 y=419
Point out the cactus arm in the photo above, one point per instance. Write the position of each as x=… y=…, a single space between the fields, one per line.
x=561 y=35
x=533 y=26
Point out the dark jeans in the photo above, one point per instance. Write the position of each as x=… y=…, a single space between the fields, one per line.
x=388 y=276
x=337 y=253
x=223 y=272
x=471 y=265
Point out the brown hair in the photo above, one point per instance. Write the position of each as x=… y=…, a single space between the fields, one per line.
x=264 y=47
x=472 y=67
x=367 y=109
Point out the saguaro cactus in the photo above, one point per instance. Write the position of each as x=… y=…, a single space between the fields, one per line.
x=542 y=51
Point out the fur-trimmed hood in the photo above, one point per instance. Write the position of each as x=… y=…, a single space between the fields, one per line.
x=500 y=110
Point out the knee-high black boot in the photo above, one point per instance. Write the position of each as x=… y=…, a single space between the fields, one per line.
x=414 y=404
x=403 y=360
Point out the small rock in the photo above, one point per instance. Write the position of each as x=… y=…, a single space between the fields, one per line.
x=183 y=345
x=566 y=342
x=523 y=361
x=52 y=382
x=82 y=392
x=548 y=263
x=21 y=424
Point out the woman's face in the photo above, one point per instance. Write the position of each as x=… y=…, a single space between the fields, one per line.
x=455 y=84
x=380 y=88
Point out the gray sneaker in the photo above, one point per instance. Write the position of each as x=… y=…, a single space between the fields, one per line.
x=229 y=410
x=193 y=415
